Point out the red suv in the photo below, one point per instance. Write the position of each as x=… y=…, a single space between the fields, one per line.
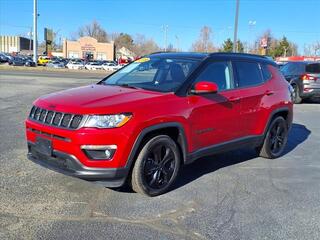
x=140 y=124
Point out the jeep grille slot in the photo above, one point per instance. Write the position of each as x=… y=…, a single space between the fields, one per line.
x=57 y=119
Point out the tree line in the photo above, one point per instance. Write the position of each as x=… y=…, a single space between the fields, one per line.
x=141 y=45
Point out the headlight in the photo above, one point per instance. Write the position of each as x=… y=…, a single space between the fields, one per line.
x=107 y=121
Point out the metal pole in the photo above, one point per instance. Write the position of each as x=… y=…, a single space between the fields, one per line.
x=165 y=30
x=235 y=47
x=178 y=44
x=35 y=43
x=30 y=40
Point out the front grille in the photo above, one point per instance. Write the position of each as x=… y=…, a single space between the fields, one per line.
x=57 y=119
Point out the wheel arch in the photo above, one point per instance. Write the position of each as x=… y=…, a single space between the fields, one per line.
x=173 y=129
x=283 y=112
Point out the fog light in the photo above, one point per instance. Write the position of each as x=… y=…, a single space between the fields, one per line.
x=99 y=152
x=107 y=153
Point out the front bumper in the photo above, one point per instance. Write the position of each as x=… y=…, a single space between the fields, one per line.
x=69 y=165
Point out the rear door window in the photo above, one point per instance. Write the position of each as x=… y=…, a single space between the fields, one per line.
x=248 y=74
x=313 y=68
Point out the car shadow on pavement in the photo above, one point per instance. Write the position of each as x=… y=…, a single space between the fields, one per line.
x=297 y=135
x=311 y=100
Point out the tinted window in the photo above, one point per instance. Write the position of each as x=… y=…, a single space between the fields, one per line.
x=249 y=74
x=219 y=73
x=313 y=68
x=293 y=68
x=153 y=73
x=265 y=72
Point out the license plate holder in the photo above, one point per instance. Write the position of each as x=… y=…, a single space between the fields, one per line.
x=44 y=146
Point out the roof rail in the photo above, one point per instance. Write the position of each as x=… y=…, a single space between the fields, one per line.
x=239 y=54
x=161 y=52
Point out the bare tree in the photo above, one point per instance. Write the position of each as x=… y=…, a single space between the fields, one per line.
x=94 y=30
x=143 y=46
x=316 y=48
x=204 y=43
x=312 y=49
x=123 y=40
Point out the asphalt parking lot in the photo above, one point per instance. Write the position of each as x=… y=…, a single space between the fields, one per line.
x=230 y=196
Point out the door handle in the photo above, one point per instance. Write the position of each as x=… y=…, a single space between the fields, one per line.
x=234 y=99
x=269 y=93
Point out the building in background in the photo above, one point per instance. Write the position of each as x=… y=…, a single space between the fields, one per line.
x=298 y=58
x=88 y=48
x=14 y=44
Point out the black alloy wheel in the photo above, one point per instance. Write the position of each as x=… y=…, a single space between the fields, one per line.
x=159 y=166
x=275 y=139
x=156 y=167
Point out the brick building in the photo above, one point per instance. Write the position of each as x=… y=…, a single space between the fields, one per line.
x=88 y=47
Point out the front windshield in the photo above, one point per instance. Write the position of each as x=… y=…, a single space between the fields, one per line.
x=155 y=74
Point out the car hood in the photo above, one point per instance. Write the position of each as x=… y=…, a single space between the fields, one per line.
x=98 y=99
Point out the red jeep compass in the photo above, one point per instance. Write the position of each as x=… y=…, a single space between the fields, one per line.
x=141 y=123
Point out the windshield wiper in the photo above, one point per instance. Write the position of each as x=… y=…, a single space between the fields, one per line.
x=126 y=85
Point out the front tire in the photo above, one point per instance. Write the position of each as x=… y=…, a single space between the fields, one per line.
x=275 y=139
x=156 y=167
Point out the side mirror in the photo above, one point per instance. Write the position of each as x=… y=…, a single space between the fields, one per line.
x=204 y=87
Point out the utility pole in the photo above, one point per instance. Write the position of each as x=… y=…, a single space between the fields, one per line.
x=35 y=33
x=30 y=39
x=235 y=40
x=178 y=43
x=165 y=33
x=251 y=23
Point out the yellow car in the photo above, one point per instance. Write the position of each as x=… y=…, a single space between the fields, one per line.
x=43 y=60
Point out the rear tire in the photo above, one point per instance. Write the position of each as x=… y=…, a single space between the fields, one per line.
x=296 y=95
x=275 y=139
x=156 y=167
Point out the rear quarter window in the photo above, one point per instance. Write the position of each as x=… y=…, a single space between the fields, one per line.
x=248 y=74
x=265 y=72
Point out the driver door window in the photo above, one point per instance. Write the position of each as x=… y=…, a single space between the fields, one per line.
x=218 y=72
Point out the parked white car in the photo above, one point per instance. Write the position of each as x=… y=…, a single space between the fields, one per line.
x=93 y=66
x=75 y=65
x=111 y=67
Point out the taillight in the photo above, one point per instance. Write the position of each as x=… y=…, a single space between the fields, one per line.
x=307 y=77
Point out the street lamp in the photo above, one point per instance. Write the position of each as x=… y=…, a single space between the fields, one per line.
x=235 y=47
x=165 y=34
x=35 y=45
x=252 y=24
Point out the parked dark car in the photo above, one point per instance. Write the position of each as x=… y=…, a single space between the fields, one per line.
x=304 y=77
x=17 y=61
x=29 y=63
x=3 y=58
x=281 y=64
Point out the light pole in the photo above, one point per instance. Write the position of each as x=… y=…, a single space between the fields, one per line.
x=235 y=47
x=30 y=39
x=178 y=43
x=165 y=33
x=251 y=23
x=35 y=43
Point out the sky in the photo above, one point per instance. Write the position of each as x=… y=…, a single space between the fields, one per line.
x=298 y=20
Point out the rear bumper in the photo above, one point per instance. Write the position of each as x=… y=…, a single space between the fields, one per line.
x=69 y=165
x=312 y=90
